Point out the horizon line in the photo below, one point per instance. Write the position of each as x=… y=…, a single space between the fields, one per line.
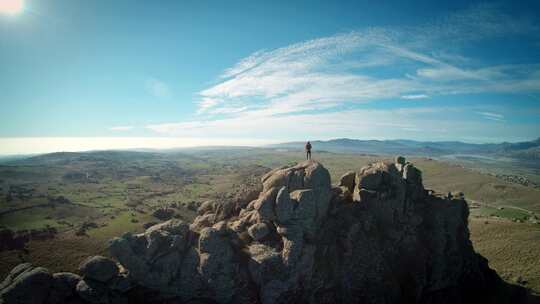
x=16 y=146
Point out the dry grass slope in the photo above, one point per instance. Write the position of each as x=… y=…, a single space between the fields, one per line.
x=513 y=249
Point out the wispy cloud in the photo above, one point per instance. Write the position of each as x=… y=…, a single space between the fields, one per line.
x=492 y=116
x=121 y=128
x=415 y=96
x=317 y=85
x=306 y=76
x=330 y=71
x=157 y=88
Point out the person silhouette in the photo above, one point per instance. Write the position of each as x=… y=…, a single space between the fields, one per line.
x=308 y=150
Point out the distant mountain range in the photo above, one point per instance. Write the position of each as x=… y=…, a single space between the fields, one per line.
x=529 y=150
x=525 y=151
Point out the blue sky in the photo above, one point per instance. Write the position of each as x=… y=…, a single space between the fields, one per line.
x=250 y=72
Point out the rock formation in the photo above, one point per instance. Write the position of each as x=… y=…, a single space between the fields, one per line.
x=377 y=237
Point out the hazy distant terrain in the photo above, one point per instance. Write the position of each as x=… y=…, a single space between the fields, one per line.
x=529 y=150
x=91 y=197
x=517 y=162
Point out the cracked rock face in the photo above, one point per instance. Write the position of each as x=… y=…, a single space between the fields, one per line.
x=377 y=237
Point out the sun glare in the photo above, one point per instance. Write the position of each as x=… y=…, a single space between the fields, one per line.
x=11 y=7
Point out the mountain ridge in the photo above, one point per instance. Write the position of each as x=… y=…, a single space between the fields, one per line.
x=520 y=150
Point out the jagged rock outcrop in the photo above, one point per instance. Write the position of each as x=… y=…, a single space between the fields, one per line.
x=377 y=237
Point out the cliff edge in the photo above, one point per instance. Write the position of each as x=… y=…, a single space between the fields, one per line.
x=376 y=237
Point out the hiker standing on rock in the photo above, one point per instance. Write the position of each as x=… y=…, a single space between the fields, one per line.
x=308 y=150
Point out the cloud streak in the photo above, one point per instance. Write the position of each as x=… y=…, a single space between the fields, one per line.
x=415 y=96
x=492 y=116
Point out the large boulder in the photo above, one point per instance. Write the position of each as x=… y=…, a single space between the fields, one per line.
x=93 y=292
x=348 y=180
x=26 y=284
x=63 y=287
x=264 y=205
x=284 y=207
x=98 y=268
x=155 y=258
x=259 y=231
x=216 y=264
x=306 y=175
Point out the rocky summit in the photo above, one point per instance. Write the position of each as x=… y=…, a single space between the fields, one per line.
x=376 y=237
